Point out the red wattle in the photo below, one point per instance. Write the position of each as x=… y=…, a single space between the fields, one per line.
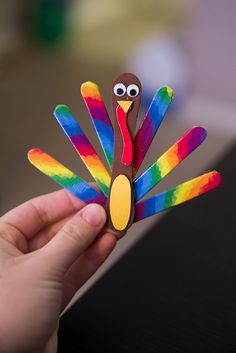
x=127 y=154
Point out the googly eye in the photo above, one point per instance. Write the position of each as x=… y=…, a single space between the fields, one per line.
x=132 y=90
x=119 y=89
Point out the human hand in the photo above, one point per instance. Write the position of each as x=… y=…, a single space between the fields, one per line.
x=49 y=247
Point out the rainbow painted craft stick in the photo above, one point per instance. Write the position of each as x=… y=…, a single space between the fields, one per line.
x=100 y=118
x=150 y=124
x=177 y=195
x=65 y=177
x=83 y=147
x=168 y=161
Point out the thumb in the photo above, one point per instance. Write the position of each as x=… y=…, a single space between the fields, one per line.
x=74 y=238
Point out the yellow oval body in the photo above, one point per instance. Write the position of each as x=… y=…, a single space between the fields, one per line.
x=120 y=202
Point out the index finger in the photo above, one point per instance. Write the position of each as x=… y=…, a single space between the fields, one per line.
x=33 y=215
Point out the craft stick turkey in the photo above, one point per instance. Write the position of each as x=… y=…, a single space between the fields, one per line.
x=126 y=95
x=119 y=190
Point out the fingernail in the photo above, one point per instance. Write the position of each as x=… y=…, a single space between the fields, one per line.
x=94 y=215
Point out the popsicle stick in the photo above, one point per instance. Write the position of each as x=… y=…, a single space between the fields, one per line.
x=83 y=147
x=65 y=177
x=168 y=161
x=100 y=118
x=150 y=124
x=177 y=195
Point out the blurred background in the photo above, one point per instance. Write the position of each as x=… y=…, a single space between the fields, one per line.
x=49 y=47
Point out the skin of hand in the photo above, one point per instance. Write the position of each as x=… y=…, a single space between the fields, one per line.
x=49 y=247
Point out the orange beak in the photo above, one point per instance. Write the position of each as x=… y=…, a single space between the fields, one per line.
x=125 y=105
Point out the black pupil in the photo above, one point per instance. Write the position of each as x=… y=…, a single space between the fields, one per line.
x=133 y=92
x=120 y=91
